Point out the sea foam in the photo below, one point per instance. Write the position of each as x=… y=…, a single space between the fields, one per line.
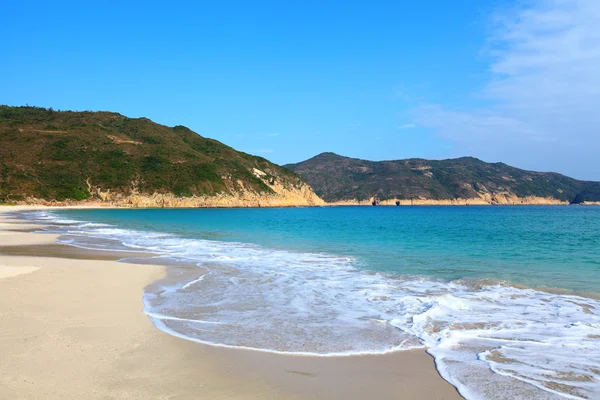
x=491 y=340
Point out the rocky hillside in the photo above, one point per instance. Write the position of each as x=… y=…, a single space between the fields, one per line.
x=61 y=156
x=463 y=180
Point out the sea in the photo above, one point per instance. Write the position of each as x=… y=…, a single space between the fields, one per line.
x=506 y=299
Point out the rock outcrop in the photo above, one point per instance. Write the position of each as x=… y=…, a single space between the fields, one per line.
x=479 y=201
x=282 y=196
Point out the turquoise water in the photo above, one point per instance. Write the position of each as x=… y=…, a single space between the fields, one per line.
x=552 y=246
x=504 y=298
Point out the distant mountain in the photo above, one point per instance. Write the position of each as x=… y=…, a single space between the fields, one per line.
x=342 y=179
x=103 y=156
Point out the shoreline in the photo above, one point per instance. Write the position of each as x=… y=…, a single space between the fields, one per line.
x=232 y=203
x=84 y=316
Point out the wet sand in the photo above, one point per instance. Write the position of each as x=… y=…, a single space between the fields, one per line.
x=72 y=326
x=65 y=251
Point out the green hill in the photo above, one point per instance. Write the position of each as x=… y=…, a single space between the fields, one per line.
x=335 y=178
x=62 y=155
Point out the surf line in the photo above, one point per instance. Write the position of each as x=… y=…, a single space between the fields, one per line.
x=200 y=279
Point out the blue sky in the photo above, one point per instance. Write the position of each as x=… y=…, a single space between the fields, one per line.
x=510 y=81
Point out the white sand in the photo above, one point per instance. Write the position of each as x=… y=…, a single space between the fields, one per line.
x=74 y=329
x=7 y=271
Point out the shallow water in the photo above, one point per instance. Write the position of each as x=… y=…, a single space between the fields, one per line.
x=504 y=298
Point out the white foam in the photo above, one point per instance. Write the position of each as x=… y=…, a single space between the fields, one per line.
x=193 y=282
x=490 y=341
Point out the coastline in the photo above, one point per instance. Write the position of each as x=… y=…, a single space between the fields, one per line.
x=141 y=202
x=500 y=200
x=83 y=316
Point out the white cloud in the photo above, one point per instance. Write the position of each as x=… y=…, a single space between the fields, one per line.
x=407 y=126
x=543 y=91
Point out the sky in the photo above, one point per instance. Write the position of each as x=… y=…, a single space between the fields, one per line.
x=502 y=80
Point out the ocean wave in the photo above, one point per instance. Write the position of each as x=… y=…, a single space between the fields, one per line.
x=489 y=339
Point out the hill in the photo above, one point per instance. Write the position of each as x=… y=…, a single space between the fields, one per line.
x=465 y=180
x=62 y=156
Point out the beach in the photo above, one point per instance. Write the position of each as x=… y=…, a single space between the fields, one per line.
x=72 y=326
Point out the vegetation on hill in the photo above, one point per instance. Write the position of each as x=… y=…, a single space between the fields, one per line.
x=337 y=178
x=60 y=155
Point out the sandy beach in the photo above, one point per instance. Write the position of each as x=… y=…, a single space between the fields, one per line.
x=72 y=327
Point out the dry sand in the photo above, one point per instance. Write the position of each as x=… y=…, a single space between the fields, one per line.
x=6 y=271
x=74 y=329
